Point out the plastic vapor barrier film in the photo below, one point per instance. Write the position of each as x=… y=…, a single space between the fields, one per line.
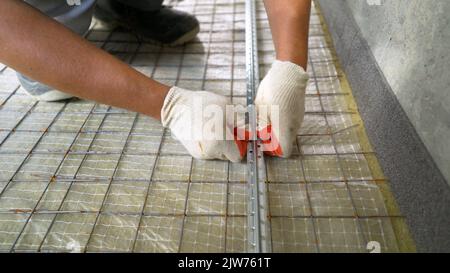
x=85 y=177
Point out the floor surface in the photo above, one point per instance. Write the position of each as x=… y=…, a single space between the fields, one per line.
x=80 y=176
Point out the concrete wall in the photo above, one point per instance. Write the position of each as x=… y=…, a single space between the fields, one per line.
x=395 y=58
x=410 y=40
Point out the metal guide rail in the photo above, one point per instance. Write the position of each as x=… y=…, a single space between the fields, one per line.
x=258 y=226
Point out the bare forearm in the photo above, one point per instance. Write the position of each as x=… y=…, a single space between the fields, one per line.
x=289 y=22
x=46 y=51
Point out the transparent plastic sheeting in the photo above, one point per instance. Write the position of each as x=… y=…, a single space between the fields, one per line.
x=86 y=177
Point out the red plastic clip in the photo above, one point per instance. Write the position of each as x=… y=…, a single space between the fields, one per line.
x=242 y=137
x=270 y=143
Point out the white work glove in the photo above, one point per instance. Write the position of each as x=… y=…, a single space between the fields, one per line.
x=283 y=89
x=199 y=121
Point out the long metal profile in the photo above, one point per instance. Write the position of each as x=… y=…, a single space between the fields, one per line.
x=258 y=226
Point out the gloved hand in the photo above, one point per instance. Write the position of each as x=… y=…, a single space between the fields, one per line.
x=280 y=104
x=199 y=121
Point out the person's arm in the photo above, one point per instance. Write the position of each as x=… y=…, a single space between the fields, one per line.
x=46 y=51
x=284 y=86
x=289 y=22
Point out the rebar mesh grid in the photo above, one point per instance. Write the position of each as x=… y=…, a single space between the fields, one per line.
x=86 y=177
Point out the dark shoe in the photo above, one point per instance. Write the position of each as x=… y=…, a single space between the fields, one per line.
x=165 y=26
